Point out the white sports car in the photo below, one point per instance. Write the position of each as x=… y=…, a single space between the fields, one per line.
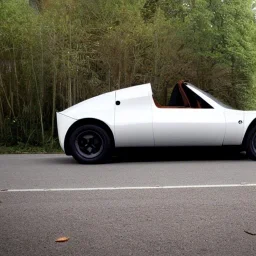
x=131 y=117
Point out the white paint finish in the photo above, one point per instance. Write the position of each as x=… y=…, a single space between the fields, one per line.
x=132 y=188
x=133 y=117
x=188 y=127
x=63 y=124
x=234 y=131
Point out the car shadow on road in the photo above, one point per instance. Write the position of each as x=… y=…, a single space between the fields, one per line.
x=57 y=160
x=129 y=155
x=177 y=154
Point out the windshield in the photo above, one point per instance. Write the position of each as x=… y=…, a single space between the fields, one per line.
x=212 y=97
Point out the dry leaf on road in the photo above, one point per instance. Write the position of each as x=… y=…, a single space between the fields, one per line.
x=62 y=239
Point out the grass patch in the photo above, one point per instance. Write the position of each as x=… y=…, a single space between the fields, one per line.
x=29 y=150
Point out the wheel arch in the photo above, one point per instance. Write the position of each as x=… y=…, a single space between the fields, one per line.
x=92 y=121
x=252 y=124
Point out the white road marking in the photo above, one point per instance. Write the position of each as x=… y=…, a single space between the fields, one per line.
x=128 y=188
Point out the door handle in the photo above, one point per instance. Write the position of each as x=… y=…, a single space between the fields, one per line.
x=118 y=102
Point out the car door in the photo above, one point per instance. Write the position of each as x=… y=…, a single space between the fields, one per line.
x=188 y=126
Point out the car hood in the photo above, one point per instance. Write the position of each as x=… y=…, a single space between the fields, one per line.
x=102 y=103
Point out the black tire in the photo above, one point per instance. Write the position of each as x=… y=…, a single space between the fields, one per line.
x=251 y=144
x=90 y=144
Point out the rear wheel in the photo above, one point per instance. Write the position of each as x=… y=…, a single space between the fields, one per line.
x=90 y=144
x=251 y=144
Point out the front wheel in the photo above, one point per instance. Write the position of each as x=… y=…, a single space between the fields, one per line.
x=251 y=144
x=90 y=144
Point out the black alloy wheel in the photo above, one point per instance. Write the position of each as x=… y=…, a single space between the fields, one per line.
x=90 y=144
x=251 y=144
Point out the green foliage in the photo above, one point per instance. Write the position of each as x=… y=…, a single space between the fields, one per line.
x=66 y=51
x=220 y=34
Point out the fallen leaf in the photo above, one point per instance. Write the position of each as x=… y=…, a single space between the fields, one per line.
x=62 y=239
x=249 y=233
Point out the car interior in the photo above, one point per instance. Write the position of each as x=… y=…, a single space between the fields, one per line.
x=183 y=97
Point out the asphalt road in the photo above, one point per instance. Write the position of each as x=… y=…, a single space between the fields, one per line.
x=148 y=207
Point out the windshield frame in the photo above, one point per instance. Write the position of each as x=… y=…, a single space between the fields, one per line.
x=211 y=97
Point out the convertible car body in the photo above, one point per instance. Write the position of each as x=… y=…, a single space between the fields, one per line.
x=132 y=117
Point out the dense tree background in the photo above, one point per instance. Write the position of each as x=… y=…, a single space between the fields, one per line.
x=55 y=53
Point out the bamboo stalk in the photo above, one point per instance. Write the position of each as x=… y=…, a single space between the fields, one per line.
x=7 y=100
x=54 y=90
x=69 y=75
x=1 y=117
x=38 y=97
